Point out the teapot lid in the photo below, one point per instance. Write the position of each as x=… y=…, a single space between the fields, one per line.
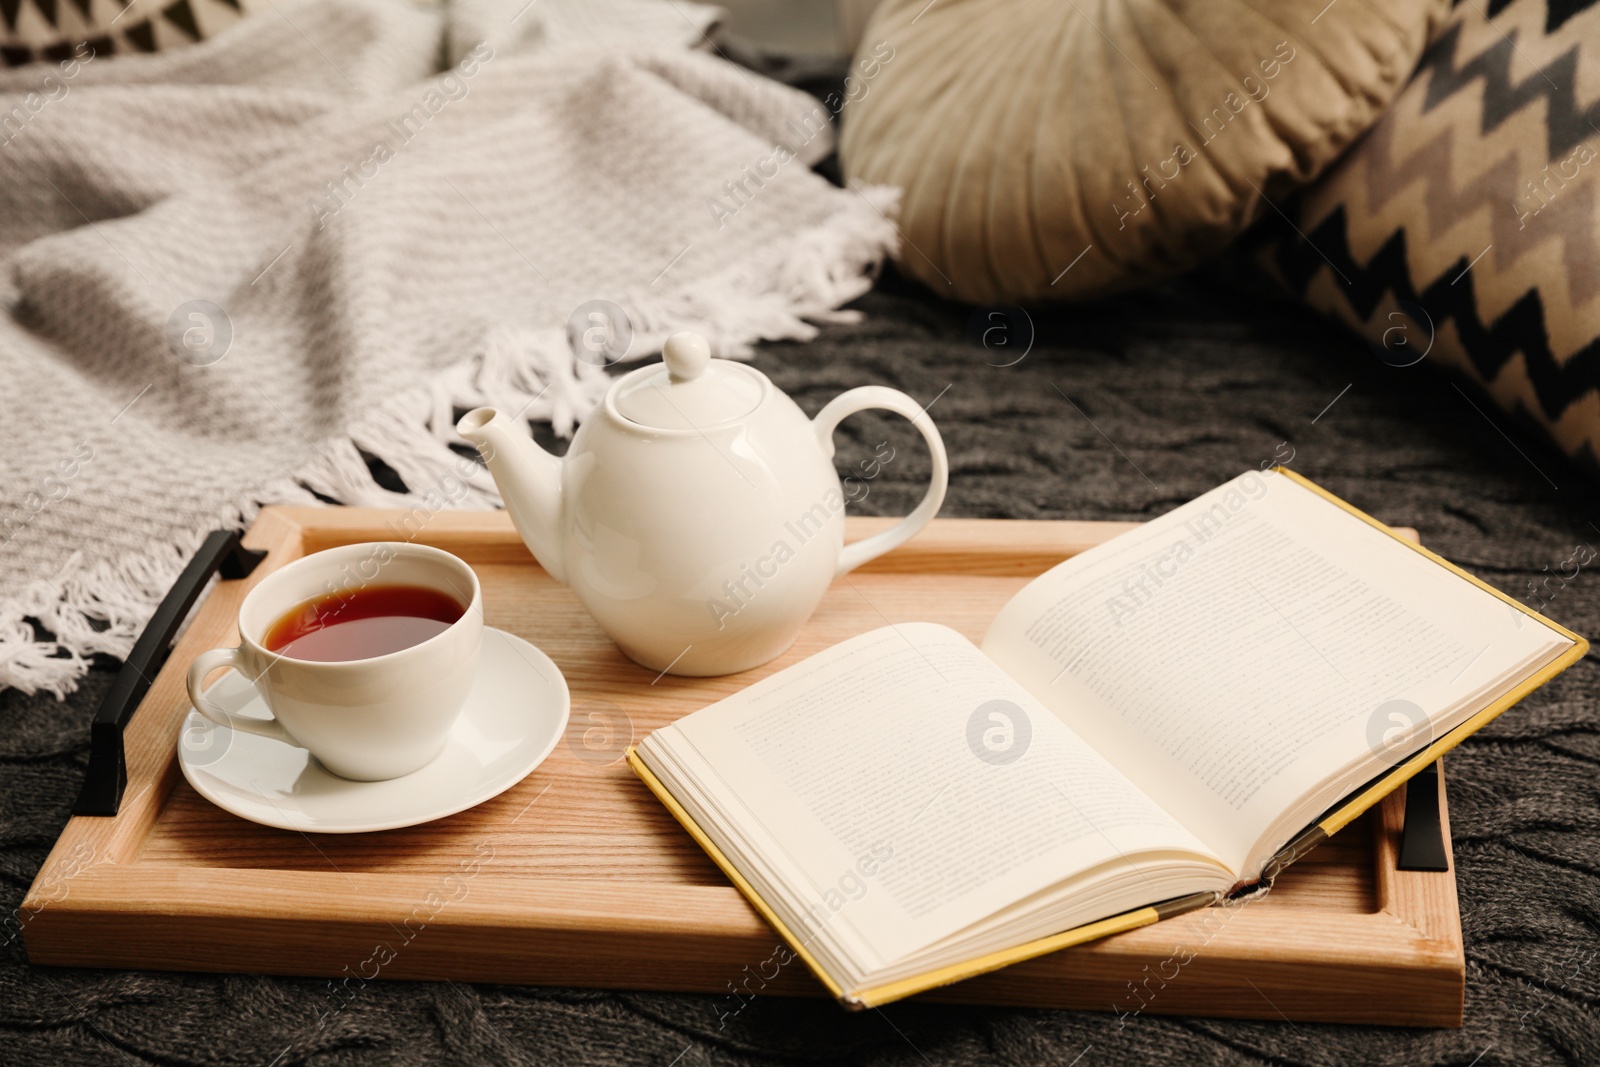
x=689 y=390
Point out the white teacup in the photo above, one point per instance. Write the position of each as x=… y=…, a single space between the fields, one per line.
x=367 y=719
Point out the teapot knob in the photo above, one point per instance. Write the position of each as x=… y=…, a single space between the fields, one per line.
x=687 y=356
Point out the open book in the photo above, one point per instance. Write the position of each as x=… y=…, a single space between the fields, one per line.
x=1147 y=727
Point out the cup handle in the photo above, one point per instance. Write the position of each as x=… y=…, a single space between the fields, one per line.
x=215 y=659
x=877 y=396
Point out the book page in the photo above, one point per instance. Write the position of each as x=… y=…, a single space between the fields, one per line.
x=909 y=746
x=1238 y=651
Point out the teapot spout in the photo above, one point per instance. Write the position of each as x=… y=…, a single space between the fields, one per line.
x=529 y=479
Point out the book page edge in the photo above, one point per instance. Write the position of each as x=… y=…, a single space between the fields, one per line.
x=1405 y=771
x=678 y=812
x=994 y=961
x=893 y=991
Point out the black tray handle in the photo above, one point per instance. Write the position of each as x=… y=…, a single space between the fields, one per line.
x=107 y=775
x=1422 y=840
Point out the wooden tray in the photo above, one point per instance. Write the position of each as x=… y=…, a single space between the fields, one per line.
x=577 y=876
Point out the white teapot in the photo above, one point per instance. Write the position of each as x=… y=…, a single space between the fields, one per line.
x=697 y=514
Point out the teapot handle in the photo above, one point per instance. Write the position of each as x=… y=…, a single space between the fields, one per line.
x=877 y=396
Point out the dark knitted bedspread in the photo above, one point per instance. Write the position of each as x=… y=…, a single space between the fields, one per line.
x=1119 y=411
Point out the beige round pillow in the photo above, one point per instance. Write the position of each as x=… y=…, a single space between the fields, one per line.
x=1054 y=149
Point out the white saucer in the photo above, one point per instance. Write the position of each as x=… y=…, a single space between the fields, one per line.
x=514 y=716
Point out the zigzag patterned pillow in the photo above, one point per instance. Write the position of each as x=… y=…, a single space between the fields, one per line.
x=1465 y=226
x=57 y=30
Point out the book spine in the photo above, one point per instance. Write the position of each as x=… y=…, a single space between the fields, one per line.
x=1309 y=839
x=1184 y=905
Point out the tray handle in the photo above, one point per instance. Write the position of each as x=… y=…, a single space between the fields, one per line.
x=107 y=776
x=1422 y=840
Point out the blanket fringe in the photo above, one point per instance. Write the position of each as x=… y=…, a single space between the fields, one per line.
x=100 y=607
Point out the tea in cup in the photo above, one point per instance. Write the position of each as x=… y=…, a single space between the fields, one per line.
x=364 y=654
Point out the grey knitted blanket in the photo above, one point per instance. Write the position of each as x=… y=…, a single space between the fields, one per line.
x=230 y=275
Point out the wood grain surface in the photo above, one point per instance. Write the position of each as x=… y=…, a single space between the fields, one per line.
x=577 y=876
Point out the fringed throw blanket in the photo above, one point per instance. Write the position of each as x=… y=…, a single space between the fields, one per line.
x=235 y=272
